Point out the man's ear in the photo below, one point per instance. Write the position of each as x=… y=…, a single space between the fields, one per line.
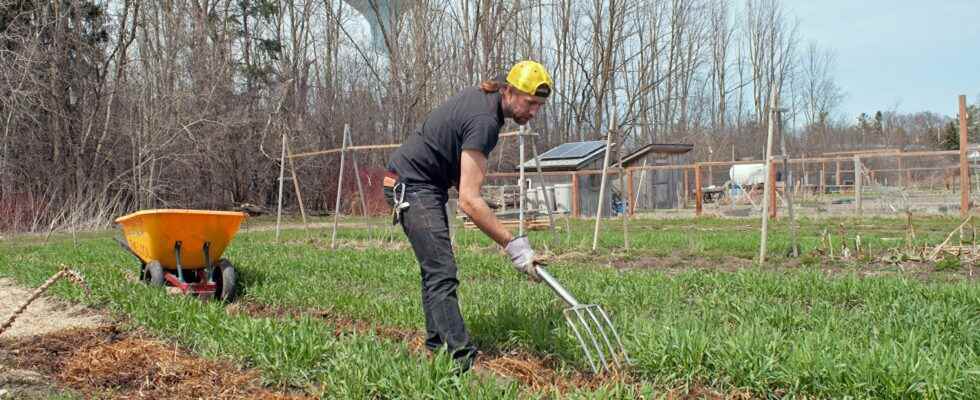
x=505 y=98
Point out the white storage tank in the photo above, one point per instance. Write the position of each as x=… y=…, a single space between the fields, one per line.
x=562 y=193
x=563 y=196
x=747 y=174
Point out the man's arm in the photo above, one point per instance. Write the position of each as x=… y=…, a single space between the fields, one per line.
x=473 y=168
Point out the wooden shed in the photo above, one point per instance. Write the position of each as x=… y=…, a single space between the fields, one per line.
x=576 y=190
x=657 y=188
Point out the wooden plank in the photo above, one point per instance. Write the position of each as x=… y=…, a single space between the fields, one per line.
x=534 y=225
x=351 y=148
x=861 y=152
x=517 y=133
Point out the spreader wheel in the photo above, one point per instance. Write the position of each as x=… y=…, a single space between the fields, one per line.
x=226 y=280
x=154 y=273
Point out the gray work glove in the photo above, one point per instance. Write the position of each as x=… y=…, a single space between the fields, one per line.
x=523 y=258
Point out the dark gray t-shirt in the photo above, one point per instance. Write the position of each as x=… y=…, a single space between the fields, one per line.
x=470 y=120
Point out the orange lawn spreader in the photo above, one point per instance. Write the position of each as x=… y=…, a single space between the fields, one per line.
x=182 y=249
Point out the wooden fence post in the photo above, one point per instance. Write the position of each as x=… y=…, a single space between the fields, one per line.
x=503 y=197
x=521 y=188
x=805 y=180
x=823 y=177
x=549 y=198
x=699 y=196
x=901 y=170
x=602 y=191
x=575 y=210
x=858 y=171
x=837 y=177
x=687 y=189
x=299 y=196
x=631 y=190
x=775 y=185
x=770 y=182
x=340 y=184
x=964 y=166
x=282 y=176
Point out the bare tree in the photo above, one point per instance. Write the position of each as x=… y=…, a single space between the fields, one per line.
x=125 y=104
x=819 y=92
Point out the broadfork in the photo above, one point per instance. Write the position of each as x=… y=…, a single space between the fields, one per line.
x=593 y=321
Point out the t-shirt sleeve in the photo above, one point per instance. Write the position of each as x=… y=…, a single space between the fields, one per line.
x=480 y=133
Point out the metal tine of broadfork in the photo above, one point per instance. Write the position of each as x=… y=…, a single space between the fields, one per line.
x=602 y=330
x=579 y=310
x=595 y=341
x=622 y=349
x=581 y=341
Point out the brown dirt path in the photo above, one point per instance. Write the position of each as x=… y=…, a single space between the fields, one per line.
x=55 y=349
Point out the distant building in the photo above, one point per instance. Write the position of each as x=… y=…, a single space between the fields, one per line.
x=577 y=191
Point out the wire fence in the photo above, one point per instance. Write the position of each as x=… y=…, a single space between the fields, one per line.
x=855 y=184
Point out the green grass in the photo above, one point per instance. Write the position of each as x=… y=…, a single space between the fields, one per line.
x=771 y=331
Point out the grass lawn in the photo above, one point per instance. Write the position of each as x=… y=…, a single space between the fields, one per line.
x=694 y=309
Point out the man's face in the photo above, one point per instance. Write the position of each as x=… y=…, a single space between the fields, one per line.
x=523 y=107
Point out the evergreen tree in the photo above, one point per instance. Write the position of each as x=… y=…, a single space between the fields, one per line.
x=951 y=133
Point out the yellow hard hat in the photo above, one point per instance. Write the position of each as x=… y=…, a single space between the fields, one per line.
x=530 y=77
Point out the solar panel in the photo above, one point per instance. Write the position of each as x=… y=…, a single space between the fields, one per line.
x=573 y=150
x=557 y=151
x=551 y=154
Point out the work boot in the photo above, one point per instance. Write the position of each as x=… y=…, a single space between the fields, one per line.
x=462 y=363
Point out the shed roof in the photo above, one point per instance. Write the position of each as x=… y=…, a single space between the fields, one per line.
x=574 y=156
x=569 y=156
x=658 y=148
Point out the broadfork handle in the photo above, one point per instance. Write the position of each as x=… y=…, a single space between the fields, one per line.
x=557 y=287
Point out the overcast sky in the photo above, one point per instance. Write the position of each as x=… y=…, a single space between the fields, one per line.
x=905 y=55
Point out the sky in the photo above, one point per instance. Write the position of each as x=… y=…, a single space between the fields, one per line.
x=901 y=55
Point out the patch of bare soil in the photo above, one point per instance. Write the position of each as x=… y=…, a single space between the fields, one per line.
x=105 y=363
x=375 y=244
x=44 y=315
x=675 y=263
x=923 y=271
x=25 y=384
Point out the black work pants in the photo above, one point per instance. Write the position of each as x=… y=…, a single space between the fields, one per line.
x=427 y=226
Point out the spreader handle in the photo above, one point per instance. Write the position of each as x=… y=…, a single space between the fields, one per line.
x=557 y=287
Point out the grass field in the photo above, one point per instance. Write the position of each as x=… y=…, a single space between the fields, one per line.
x=698 y=316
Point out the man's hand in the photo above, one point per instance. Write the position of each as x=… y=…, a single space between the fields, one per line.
x=522 y=256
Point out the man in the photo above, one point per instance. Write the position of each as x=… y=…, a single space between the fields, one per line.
x=451 y=149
